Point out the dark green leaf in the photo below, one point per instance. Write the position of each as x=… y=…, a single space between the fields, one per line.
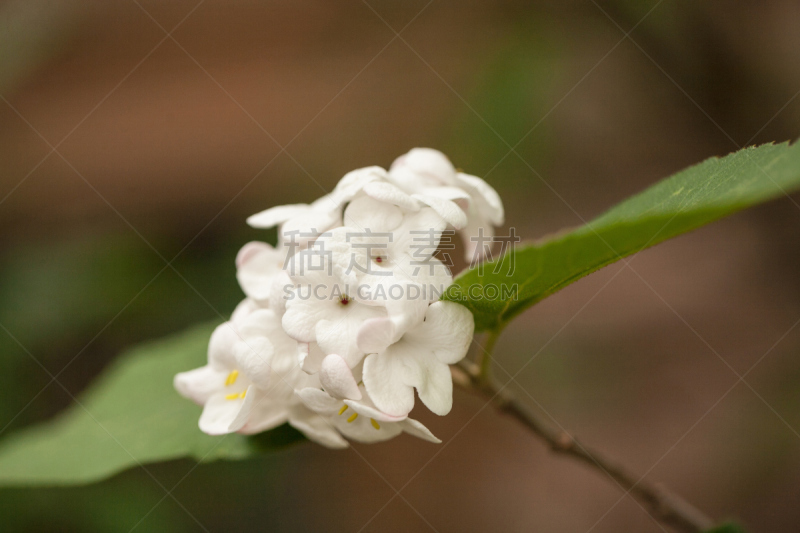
x=691 y=198
x=131 y=416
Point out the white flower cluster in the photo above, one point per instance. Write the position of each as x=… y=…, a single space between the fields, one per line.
x=342 y=320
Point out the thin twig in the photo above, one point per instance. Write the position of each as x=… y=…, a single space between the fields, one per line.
x=665 y=506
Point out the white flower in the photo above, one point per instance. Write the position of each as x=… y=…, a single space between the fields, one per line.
x=337 y=378
x=429 y=176
x=422 y=168
x=354 y=181
x=361 y=420
x=301 y=224
x=244 y=309
x=393 y=267
x=261 y=275
x=223 y=384
x=258 y=265
x=387 y=236
x=485 y=212
x=342 y=320
x=322 y=308
x=249 y=382
x=333 y=371
x=419 y=360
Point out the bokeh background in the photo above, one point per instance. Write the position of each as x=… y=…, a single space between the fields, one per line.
x=130 y=157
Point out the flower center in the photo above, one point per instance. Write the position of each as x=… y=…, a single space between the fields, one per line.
x=344 y=299
x=352 y=418
x=231 y=379
x=236 y=395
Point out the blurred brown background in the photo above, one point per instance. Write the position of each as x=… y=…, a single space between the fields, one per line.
x=164 y=144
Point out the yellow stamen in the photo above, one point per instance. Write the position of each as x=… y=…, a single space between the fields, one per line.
x=231 y=379
x=232 y=396
x=374 y=423
x=243 y=393
x=343 y=409
x=352 y=417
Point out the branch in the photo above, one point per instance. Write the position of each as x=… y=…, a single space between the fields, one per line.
x=665 y=506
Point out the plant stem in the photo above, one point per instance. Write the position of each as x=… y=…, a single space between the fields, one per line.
x=663 y=505
x=485 y=361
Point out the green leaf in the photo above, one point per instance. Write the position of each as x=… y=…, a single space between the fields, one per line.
x=131 y=416
x=691 y=198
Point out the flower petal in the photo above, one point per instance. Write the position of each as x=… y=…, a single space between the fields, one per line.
x=249 y=250
x=282 y=286
x=369 y=411
x=375 y=335
x=338 y=331
x=478 y=237
x=455 y=194
x=326 y=203
x=254 y=357
x=348 y=251
x=355 y=180
x=422 y=167
x=258 y=264
x=447 y=209
x=219 y=413
x=447 y=331
x=485 y=197
x=410 y=363
x=316 y=428
x=265 y=323
x=404 y=302
x=299 y=231
x=259 y=413
x=431 y=274
x=319 y=401
x=312 y=267
x=418 y=236
x=220 y=347
x=337 y=378
x=242 y=310
x=406 y=313
x=367 y=214
x=387 y=381
x=435 y=389
x=277 y=215
x=199 y=384
x=366 y=430
x=301 y=317
x=391 y=194
x=264 y=419
x=416 y=429
x=310 y=356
